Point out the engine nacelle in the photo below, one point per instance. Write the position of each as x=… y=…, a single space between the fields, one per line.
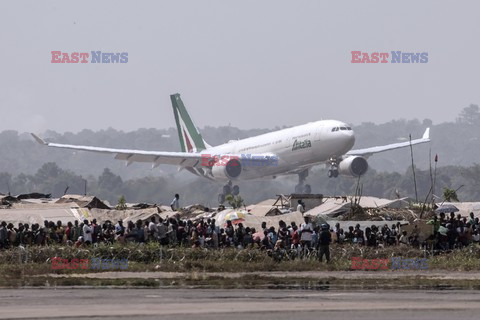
x=353 y=166
x=229 y=171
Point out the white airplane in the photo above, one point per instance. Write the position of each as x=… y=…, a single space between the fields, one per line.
x=288 y=151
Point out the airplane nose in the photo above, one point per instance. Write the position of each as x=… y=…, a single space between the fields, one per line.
x=352 y=138
x=349 y=138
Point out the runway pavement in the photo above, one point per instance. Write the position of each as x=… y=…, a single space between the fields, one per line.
x=105 y=303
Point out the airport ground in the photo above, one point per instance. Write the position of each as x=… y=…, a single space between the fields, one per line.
x=108 y=303
x=380 y=294
x=333 y=295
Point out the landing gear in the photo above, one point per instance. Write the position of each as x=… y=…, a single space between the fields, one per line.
x=307 y=189
x=333 y=172
x=236 y=190
x=300 y=188
x=228 y=189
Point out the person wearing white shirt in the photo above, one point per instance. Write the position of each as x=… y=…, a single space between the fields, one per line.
x=476 y=236
x=306 y=229
x=175 y=205
x=87 y=232
x=300 y=207
x=152 y=229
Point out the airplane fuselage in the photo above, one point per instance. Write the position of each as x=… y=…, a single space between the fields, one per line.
x=296 y=147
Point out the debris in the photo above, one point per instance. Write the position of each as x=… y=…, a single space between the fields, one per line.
x=89 y=202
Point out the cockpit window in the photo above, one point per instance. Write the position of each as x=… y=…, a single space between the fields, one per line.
x=341 y=128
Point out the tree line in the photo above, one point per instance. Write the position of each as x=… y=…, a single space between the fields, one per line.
x=50 y=178
x=456 y=143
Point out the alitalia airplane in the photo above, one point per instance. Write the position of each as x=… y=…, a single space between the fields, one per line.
x=288 y=151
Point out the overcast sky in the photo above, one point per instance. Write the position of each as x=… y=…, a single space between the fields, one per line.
x=245 y=63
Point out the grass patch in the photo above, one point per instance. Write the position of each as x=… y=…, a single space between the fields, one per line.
x=17 y=263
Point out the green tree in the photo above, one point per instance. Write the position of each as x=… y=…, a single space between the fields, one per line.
x=450 y=195
x=235 y=202
x=122 y=203
x=109 y=181
x=49 y=170
x=470 y=115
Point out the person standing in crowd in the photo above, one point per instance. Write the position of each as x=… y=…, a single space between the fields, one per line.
x=69 y=232
x=358 y=237
x=152 y=229
x=120 y=231
x=20 y=240
x=306 y=230
x=162 y=228
x=59 y=231
x=403 y=238
x=77 y=231
x=472 y=219
x=11 y=234
x=324 y=240
x=96 y=230
x=175 y=204
x=87 y=232
x=45 y=232
x=230 y=231
x=300 y=206
x=3 y=235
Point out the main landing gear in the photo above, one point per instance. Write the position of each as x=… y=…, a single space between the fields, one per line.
x=228 y=189
x=300 y=188
x=333 y=171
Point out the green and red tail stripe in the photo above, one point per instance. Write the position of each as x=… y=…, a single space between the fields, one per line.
x=190 y=139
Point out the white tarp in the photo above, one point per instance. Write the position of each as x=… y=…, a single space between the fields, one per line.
x=39 y=214
x=334 y=206
x=264 y=208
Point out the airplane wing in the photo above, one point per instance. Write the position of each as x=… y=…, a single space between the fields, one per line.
x=183 y=159
x=369 y=151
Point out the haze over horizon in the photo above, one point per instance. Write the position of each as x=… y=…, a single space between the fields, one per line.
x=232 y=65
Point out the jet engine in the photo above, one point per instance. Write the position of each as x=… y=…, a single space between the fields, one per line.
x=353 y=166
x=229 y=171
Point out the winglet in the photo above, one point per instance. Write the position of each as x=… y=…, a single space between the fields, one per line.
x=426 y=135
x=38 y=139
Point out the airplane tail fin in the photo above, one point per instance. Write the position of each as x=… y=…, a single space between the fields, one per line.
x=190 y=138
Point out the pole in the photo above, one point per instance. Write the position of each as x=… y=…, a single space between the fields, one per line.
x=413 y=169
x=434 y=179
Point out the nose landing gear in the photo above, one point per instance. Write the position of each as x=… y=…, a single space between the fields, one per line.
x=333 y=171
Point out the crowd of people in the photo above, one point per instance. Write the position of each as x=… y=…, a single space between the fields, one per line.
x=449 y=233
